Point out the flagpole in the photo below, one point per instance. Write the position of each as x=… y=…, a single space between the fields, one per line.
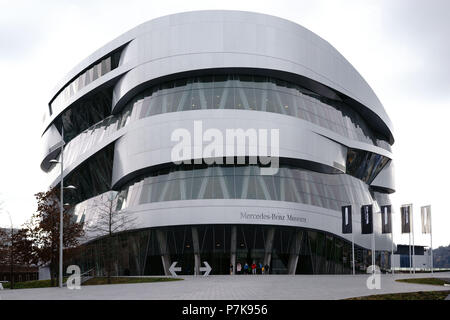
x=431 y=240
x=392 y=253
x=353 y=250
x=373 y=248
x=413 y=250
x=392 y=242
x=431 y=248
x=409 y=250
x=406 y=220
x=410 y=263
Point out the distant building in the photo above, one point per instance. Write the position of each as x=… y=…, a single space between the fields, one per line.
x=20 y=272
x=422 y=257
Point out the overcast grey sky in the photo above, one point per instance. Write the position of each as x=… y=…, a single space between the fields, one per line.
x=400 y=47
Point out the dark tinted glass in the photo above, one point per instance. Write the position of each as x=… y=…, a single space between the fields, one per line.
x=245 y=182
x=139 y=252
x=247 y=92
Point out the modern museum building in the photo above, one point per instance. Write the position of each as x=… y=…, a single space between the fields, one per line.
x=206 y=73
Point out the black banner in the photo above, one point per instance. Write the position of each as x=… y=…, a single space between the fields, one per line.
x=386 y=219
x=406 y=219
x=366 y=219
x=347 y=219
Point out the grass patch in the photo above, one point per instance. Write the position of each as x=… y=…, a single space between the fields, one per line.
x=91 y=282
x=31 y=284
x=123 y=280
x=432 y=281
x=420 y=295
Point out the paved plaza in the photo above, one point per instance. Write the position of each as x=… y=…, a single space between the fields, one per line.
x=239 y=287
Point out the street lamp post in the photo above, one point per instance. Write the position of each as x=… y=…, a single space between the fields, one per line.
x=11 y=252
x=61 y=209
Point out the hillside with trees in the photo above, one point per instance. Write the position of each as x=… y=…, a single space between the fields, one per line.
x=441 y=257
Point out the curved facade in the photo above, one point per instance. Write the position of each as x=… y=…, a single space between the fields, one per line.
x=227 y=70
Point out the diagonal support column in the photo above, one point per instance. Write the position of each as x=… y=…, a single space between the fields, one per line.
x=196 y=245
x=233 y=248
x=164 y=249
x=268 y=246
x=294 y=252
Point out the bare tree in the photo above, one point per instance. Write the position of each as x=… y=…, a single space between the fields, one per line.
x=11 y=251
x=15 y=248
x=7 y=245
x=4 y=246
x=1 y=206
x=3 y=240
x=106 y=222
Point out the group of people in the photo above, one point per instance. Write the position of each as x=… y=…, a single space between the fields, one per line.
x=250 y=269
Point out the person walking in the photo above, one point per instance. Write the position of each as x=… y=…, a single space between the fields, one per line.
x=238 y=268
x=246 y=268
x=254 y=268
x=260 y=267
x=231 y=269
x=266 y=269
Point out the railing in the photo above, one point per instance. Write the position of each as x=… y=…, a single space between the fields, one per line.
x=420 y=269
x=85 y=276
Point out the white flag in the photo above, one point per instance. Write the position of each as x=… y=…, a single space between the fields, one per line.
x=426 y=219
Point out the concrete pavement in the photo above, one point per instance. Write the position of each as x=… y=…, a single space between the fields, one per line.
x=239 y=287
